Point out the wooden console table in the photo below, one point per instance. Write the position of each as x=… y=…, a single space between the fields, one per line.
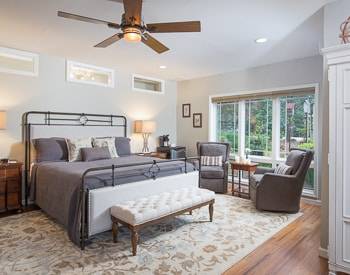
x=240 y=167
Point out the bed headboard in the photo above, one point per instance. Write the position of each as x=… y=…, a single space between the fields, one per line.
x=37 y=119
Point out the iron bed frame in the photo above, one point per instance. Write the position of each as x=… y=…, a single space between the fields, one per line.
x=83 y=119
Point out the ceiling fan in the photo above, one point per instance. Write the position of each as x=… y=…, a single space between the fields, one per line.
x=133 y=29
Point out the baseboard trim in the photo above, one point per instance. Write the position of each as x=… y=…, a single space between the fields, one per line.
x=312 y=201
x=323 y=253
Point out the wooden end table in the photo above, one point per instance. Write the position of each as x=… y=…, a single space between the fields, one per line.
x=240 y=167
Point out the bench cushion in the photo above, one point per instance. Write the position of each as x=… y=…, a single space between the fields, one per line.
x=157 y=206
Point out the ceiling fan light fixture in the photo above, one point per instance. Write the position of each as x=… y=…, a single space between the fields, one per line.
x=132 y=34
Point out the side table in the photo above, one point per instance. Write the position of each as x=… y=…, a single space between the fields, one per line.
x=240 y=167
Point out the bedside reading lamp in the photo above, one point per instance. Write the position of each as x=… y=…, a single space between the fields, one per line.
x=146 y=128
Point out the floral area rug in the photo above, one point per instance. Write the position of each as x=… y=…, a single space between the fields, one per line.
x=32 y=243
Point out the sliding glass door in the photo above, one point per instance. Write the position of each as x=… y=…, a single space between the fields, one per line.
x=267 y=128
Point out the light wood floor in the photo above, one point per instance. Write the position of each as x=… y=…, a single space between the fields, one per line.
x=292 y=251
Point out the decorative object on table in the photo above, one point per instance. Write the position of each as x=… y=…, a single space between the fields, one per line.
x=240 y=166
x=197 y=120
x=280 y=192
x=247 y=153
x=186 y=110
x=146 y=128
x=164 y=141
x=345 y=31
x=2 y=120
x=212 y=177
x=173 y=152
x=10 y=186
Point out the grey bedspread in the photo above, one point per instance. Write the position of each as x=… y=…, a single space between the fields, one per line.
x=55 y=186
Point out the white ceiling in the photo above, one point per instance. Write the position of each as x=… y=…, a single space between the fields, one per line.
x=226 y=43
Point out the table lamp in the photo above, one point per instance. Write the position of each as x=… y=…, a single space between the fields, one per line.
x=146 y=128
x=2 y=120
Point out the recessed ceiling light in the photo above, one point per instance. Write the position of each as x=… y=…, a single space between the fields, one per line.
x=162 y=67
x=261 y=40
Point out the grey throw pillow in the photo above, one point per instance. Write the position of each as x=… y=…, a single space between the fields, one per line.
x=50 y=149
x=283 y=169
x=96 y=153
x=123 y=146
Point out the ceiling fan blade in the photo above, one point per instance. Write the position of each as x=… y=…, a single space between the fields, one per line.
x=133 y=10
x=87 y=19
x=189 y=26
x=154 y=43
x=109 y=41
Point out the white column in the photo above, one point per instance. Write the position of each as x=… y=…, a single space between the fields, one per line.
x=275 y=130
x=241 y=128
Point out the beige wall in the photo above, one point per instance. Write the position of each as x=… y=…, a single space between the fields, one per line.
x=50 y=92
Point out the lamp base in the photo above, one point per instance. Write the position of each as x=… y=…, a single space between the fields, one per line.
x=145 y=148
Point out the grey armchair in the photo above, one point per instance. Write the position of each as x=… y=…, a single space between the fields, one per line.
x=214 y=178
x=281 y=193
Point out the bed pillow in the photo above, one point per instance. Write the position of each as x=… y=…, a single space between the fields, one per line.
x=50 y=149
x=74 y=148
x=106 y=142
x=123 y=146
x=97 y=153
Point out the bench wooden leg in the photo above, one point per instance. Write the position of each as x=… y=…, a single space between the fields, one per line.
x=211 y=211
x=134 y=241
x=115 y=231
x=191 y=212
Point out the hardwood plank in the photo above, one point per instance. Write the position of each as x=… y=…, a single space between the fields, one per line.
x=293 y=250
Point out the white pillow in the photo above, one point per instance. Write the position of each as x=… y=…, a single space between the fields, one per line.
x=74 y=146
x=106 y=142
x=283 y=169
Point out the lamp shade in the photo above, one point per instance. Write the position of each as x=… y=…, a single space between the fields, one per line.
x=144 y=126
x=2 y=120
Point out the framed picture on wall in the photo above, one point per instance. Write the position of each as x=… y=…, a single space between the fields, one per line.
x=197 y=120
x=186 y=110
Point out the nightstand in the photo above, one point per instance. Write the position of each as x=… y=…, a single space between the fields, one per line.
x=10 y=186
x=172 y=152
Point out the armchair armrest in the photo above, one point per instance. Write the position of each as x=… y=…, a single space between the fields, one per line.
x=264 y=170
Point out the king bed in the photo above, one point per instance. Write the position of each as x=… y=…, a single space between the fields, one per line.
x=79 y=194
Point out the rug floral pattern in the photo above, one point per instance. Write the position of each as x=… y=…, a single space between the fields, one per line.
x=32 y=243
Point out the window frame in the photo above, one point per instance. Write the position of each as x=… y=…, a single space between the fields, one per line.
x=71 y=63
x=275 y=158
x=161 y=82
x=20 y=55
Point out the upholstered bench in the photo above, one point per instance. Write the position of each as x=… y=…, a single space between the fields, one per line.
x=154 y=209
